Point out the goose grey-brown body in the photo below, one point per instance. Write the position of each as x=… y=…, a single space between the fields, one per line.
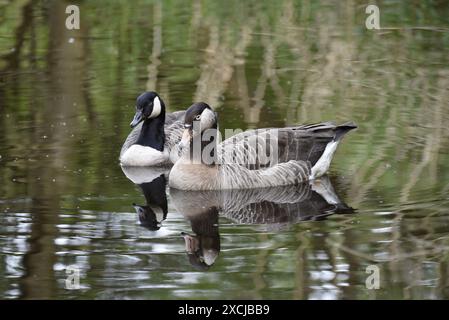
x=304 y=142
x=302 y=153
x=191 y=176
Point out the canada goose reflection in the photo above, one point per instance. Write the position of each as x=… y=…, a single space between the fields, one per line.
x=275 y=208
x=203 y=246
x=152 y=182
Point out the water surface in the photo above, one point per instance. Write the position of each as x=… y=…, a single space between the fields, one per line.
x=67 y=97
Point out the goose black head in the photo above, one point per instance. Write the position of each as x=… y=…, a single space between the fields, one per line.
x=148 y=216
x=194 y=113
x=199 y=117
x=148 y=106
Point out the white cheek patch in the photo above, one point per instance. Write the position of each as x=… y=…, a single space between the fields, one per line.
x=210 y=256
x=207 y=119
x=156 y=108
x=159 y=213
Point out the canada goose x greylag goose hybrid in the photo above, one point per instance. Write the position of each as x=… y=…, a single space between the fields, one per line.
x=155 y=134
x=298 y=154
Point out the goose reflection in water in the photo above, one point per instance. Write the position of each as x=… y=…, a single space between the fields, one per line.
x=276 y=208
x=203 y=246
x=152 y=182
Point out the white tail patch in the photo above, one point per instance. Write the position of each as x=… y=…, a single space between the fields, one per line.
x=323 y=164
x=156 y=108
x=324 y=188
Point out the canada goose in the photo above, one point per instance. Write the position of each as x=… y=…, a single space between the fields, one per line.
x=152 y=182
x=296 y=154
x=272 y=208
x=155 y=134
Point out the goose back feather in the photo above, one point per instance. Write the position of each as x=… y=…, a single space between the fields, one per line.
x=305 y=143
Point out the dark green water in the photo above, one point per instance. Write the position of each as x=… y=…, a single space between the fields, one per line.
x=65 y=108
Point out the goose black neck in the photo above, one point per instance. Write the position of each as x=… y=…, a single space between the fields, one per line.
x=154 y=193
x=152 y=133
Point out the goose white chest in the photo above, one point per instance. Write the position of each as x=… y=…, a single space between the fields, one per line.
x=138 y=155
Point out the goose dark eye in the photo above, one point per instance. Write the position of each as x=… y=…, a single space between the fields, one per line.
x=198 y=117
